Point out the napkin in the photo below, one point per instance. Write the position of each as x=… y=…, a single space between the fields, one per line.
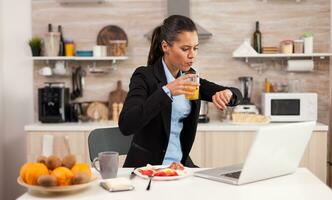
x=116 y=184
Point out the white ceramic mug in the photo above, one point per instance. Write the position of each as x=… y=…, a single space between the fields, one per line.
x=99 y=51
x=45 y=71
x=60 y=68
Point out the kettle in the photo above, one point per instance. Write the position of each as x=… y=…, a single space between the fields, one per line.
x=203 y=112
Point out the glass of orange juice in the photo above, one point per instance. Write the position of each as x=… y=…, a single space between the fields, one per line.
x=195 y=96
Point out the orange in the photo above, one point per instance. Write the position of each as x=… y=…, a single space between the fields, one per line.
x=31 y=172
x=81 y=167
x=63 y=175
x=24 y=170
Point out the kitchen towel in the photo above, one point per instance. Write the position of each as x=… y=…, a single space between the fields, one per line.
x=300 y=65
x=245 y=49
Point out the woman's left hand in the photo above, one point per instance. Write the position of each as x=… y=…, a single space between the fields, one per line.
x=221 y=99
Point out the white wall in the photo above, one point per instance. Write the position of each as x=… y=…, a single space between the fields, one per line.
x=1 y=86
x=329 y=176
x=17 y=91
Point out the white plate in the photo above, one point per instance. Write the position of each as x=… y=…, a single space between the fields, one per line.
x=182 y=174
x=56 y=188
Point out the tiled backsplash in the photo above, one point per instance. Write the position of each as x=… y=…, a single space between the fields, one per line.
x=230 y=23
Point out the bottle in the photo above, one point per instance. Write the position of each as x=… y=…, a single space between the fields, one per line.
x=51 y=42
x=267 y=86
x=62 y=42
x=257 y=39
x=50 y=28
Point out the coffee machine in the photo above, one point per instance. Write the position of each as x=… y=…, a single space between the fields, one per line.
x=246 y=88
x=53 y=103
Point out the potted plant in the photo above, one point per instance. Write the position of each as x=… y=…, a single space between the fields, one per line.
x=35 y=44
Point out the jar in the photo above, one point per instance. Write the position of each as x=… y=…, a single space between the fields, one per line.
x=308 y=45
x=69 y=48
x=117 y=48
x=286 y=46
x=298 y=46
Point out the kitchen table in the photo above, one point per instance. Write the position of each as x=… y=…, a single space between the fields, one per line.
x=300 y=185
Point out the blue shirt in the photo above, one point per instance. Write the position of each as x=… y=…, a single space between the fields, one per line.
x=181 y=108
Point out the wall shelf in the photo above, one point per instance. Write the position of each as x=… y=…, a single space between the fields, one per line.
x=312 y=55
x=76 y=58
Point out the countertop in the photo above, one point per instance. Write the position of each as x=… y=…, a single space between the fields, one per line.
x=300 y=185
x=211 y=126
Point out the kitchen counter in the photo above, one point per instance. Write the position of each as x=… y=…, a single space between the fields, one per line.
x=211 y=126
x=300 y=185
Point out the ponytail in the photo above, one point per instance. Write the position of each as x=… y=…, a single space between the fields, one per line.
x=155 y=48
x=168 y=31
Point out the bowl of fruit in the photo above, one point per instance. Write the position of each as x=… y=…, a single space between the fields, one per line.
x=52 y=174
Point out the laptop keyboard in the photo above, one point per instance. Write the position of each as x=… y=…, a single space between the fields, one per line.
x=235 y=175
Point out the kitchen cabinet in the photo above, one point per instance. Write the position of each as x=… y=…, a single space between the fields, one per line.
x=76 y=142
x=315 y=155
x=227 y=148
x=217 y=144
x=197 y=153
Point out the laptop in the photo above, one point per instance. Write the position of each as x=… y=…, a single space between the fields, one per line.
x=277 y=150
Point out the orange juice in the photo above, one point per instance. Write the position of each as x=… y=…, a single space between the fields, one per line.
x=195 y=96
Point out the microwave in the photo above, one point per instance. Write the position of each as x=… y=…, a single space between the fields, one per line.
x=290 y=107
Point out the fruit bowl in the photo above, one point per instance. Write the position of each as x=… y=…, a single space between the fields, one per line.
x=57 y=188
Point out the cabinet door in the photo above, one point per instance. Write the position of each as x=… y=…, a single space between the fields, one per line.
x=197 y=153
x=227 y=148
x=76 y=143
x=315 y=155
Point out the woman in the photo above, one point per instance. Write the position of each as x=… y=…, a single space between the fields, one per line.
x=156 y=111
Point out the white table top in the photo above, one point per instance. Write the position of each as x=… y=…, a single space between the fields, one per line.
x=211 y=126
x=302 y=185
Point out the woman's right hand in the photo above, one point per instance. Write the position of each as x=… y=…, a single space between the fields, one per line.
x=183 y=85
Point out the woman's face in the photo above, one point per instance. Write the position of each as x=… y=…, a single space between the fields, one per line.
x=182 y=53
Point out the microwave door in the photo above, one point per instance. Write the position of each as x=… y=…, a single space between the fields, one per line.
x=289 y=107
x=285 y=109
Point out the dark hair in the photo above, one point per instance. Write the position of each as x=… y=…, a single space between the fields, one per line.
x=168 y=31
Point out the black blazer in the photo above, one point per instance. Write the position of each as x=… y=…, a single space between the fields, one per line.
x=147 y=114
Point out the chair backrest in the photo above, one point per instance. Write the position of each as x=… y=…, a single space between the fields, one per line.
x=108 y=139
